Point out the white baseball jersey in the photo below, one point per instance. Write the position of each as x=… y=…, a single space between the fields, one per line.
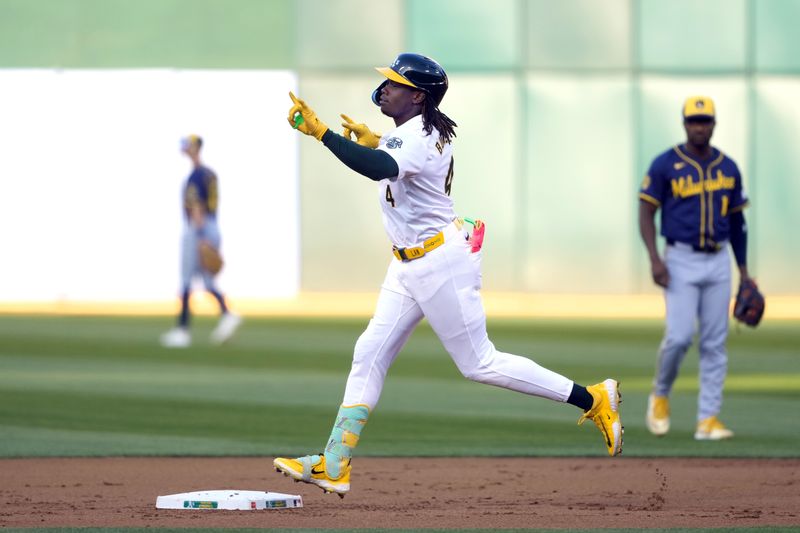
x=442 y=286
x=416 y=204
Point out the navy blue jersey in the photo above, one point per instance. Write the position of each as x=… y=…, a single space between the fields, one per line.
x=201 y=188
x=696 y=197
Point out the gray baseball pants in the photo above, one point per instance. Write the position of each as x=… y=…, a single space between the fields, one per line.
x=190 y=256
x=697 y=298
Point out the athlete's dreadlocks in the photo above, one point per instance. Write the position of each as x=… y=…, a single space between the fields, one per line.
x=433 y=118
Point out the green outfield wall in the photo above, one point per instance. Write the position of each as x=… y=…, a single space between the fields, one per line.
x=560 y=105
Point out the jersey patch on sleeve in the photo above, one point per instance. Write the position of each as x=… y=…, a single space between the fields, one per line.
x=394 y=142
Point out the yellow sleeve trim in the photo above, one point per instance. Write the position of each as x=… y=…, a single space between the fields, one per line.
x=739 y=207
x=649 y=199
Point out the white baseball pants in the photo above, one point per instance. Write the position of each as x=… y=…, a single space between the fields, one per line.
x=443 y=286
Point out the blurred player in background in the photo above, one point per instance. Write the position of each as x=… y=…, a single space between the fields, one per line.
x=435 y=272
x=699 y=191
x=200 y=201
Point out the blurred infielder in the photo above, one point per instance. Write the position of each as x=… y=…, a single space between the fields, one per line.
x=435 y=272
x=699 y=190
x=200 y=200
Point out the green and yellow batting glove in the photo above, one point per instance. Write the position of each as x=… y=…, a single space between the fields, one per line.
x=302 y=118
x=364 y=135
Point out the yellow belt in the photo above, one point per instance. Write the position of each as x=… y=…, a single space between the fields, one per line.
x=409 y=254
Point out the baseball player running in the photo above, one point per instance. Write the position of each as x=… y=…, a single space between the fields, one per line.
x=434 y=272
x=699 y=190
x=200 y=199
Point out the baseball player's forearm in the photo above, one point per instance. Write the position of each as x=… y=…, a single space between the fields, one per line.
x=374 y=164
x=647 y=228
x=739 y=240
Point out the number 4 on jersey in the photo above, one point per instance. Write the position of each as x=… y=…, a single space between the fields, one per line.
x=389 y=197
x=448 y=184
x=448 y=181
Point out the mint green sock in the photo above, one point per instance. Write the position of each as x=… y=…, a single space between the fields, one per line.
x=344 y=436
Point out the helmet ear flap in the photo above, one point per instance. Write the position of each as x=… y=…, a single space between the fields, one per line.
x=376 y=94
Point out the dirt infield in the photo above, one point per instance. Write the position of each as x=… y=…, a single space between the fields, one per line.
x=412 y=493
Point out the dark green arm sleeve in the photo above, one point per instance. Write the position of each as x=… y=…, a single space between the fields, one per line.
x=374 y=164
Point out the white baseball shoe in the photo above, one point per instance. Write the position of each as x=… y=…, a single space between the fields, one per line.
x=176 y=338
x=227 y=326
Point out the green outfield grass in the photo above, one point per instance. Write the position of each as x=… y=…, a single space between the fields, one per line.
x=84 y=386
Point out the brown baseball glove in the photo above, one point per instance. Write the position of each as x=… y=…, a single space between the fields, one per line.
x=749 y=306
x=210 y=259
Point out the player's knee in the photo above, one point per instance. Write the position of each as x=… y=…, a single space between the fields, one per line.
x=678 y=340
x=367 y=346
x=472 y=374
x=475 y=370
x=713 y=349
x=364 y=346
